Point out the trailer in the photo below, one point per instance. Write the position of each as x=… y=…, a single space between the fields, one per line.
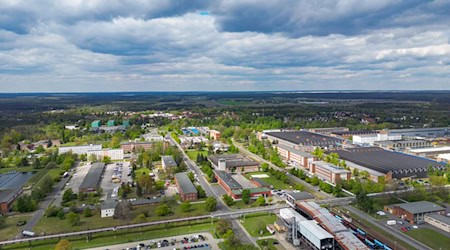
x=28 y=233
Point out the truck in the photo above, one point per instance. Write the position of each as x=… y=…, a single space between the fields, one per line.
x=391 y=222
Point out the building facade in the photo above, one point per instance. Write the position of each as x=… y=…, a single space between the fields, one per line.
x=186 y=189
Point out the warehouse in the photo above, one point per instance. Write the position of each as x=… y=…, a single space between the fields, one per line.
x=292 y=197
x=414 y=212
x=297 y=157
x=393 y=164
x=349 y=134
x=429 y=152
x=399 y=145
x=186 y=189
x=92 y=180
x=440 y=221
x=415 y=132
x=328 y=131
x=234 y=163
x=11 y=187
x=304 y=139
x=329 y=172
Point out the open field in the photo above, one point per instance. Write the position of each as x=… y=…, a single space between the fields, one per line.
x=254 y=223
x=430 y=238
x=192 y=154
x=10 y=229
x=267 y=244
x=142 y=171
x=51 y=225
x=277 y=184
x=123 y=236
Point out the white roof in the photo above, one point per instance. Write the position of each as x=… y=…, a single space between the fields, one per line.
x=444 y=157
x=428 y=150
x=331 y=167
x=315 y=229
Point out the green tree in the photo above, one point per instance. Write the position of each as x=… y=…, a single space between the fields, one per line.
x=61 y=215
x=211 y=204
x=146 y=184
x=246 y=196
x=73 y=218
x=315 y=181
x=222 y=226
x=228 y=200
x=261 y=201
x=68 y=195
x=186 y=207
x=87 y=212
x=201 y=191
x=141 y=218
x=163 y=210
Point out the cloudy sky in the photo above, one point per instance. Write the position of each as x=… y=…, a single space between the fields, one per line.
x=217 y=45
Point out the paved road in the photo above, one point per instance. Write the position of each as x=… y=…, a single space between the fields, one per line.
x=412 y=242
x=43 y=205
x=221 y=207
x=212 y=242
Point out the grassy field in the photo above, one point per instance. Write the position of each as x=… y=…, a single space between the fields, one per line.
x=9 y=230
x=141 y=171
x=254 y=223
x=53 y=225
x=18 y=169
x=192 y=154
x=267 y=244
x=277 y=184
x=430 y=238
x=124 y=236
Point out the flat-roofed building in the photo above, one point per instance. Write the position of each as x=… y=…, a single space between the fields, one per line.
x=349 y=134
x=329 y=172
x=235 y=163
x=96 y=124
x=292 y=197
x=443 y=157
x=400 y=145
x=429 y=152
x=113 y=154
x=214 y=134
x=128 y=147
x=392 y=164
x=186 y=189
x=440 y=221
x=168 y=162
x=414 y=212
x=234 y=189
x=303 y=139
x=92 y=180
x=328 y=131
x=300 y=159
x=79 y=150
x=418 y=132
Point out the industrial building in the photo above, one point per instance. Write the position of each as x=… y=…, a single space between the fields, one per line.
x=400 y=145
x=327 y=131
x=349 y=134
x=11 y=187
x=113 y=154
x=429 y=152
x=111 y=123
x=92 y=180
x=414 y=212
x=299 y=159
x=168 y=162
x=417 y=132
x=302 y=139
x=96 y=124
x=342 y=235
x=329 y=172
x=292 y=197
x=393 y=165
x=440 y=221
x=443 y=157
x=234 y=189
x=79 y=150
x=186 y=189
x=233 y=163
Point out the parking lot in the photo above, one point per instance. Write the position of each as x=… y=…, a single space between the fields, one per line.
x=183 y=242
x=114 y=175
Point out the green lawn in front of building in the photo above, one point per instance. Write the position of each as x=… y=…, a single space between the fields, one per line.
x=430 y=237
x=253 y=223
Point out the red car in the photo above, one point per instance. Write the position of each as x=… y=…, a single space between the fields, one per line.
x=404 y=229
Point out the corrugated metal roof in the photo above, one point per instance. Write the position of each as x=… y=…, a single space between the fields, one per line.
x=316 y=230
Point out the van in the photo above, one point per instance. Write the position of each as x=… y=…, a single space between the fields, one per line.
x=391 y=222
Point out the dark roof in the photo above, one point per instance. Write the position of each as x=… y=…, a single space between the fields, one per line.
x=305 y=138
x=168 y=160
x=298 y=196
x=13 y=180
x=109 y=204
x=228 y=179
x=384 y=161
x=354 y=132
x=94 y=175
x=252 y=190
x=261 y=182
x=419 y=207
x=140 y=202
x=440 y=217
x=7 y=194
x=185 y=183
x=233 y=160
